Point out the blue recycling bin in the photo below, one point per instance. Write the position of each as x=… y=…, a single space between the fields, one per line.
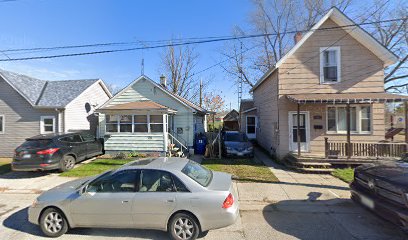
x=200 y=143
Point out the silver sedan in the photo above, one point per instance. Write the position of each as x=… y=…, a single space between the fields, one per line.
x=171 y=194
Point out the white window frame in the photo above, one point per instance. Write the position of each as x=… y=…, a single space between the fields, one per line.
x=42 y=125
x=164 y=123
x=358 y=119
x=338 y=59
x=246 y=123
x=3 y=124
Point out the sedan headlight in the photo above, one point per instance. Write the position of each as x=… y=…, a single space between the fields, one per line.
x=250 y=149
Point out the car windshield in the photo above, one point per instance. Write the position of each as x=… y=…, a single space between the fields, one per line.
x=198 y=173
x=36 y=143
x=236 y=137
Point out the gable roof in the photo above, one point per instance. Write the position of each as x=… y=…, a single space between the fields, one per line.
x=41 y=93
x=358 y=33
x=247 y=105
x=233 y=115
x=181 y=100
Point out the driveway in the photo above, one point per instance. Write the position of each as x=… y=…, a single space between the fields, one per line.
x=301 y=206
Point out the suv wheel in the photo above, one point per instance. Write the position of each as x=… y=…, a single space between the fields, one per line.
x=183 y=227
x=67 y=163
x=53 y=223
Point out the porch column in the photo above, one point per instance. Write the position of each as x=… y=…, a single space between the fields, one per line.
x=348 y=146
x=298 y=130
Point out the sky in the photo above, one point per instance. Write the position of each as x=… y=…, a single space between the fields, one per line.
x=47 y=23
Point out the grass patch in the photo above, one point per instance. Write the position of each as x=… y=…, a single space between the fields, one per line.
x=5 y=165
x=242 y=169
x=95 y=167
x=345 y=174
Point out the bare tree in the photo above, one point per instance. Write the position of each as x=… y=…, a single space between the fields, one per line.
x=274 y=19
x=394 y=36
x=213 y=102
x=178 y=63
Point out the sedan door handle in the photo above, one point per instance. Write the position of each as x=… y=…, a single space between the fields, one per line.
x=170 y=200
x=125 y=201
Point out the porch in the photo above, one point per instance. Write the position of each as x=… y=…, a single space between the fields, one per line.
x=352 y=113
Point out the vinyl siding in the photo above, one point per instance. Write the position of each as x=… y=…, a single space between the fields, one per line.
x=145 y=90
x=265 y=100
x=361 y=70
x=77 y=116
x=21 y=119
x=198 y=124
x=135 y=142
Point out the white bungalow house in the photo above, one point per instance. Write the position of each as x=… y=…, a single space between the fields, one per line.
x=146 y=117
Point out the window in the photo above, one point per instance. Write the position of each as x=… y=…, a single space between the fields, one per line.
x=198 y=173
x=47 y=124
x=134 y=123
x=250 y=124
x=360 y=119
x=140 y=122
x=156 y=123
x=180 y=187
x=71 y=139
x=2 y=122
x=156 y=181
x=330 y=65
x=88 y=137
x=112 y=123
x=125 y=123
x=123 y=181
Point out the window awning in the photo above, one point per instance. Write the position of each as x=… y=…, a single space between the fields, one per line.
x=139 y=106
x=338 y=98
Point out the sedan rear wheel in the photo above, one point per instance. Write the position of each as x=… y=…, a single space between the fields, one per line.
x=67 y=163
x=53 y=223
x=183 y=227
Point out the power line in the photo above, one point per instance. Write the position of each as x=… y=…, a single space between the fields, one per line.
x=208 y=40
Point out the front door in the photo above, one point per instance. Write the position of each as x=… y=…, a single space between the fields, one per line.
x=303 y=130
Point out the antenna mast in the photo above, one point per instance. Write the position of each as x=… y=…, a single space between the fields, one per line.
x=240 y=80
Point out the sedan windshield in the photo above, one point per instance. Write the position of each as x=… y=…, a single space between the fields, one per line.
x=198 y=173
x=236 y=137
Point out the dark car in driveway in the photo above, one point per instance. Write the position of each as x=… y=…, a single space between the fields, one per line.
x=383 y=188
x=55 y=151
x=236 y=144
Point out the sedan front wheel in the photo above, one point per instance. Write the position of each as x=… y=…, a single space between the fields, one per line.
x=53 y=223
x=183 y=227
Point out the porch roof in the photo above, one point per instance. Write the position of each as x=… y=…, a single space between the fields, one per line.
x=139 y=106
x=347 y=98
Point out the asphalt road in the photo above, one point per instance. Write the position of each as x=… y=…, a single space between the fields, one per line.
x=301 y=209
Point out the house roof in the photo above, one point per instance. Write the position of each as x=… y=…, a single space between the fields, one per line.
x=139 y=105
x=233 y=115
x=247 y=105
x=182 y=100
x=347 y=98
x=358 y=33
x=42 y=93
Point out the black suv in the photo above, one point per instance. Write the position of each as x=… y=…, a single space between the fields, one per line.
x=55 y=151
x=383 y=188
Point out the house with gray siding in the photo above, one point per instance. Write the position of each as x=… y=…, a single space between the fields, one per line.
x=146 y=117
x=30 y=106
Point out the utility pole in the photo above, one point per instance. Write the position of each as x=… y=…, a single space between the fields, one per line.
x=201 y=92
x=240 y=80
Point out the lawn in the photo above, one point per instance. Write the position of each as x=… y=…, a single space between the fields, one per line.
x=245 y=170
x=95 y=167
x=5 y=166
x=345 y=174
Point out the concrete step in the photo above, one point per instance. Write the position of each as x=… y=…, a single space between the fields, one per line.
x=312 y=164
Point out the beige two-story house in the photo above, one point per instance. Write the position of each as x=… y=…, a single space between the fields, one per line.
x=332 y=74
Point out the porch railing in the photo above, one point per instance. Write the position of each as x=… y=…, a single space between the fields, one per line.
x=364 y=149
x=179 y=143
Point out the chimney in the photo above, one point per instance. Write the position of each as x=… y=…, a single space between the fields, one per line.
x=298 y=36
x=163 y=81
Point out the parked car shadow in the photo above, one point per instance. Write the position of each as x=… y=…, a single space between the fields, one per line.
x=328 y=219
x=23 y=175
x=18 y=221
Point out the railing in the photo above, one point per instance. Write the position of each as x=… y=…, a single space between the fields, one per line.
x=364 y=149
x=178 y=143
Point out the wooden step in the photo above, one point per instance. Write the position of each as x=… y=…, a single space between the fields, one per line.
x=313 y=164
